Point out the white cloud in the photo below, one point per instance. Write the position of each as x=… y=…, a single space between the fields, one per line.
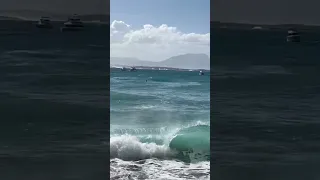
x=155 y=43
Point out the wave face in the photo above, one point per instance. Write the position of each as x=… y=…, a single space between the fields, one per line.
x=161 y=121
x=195 y=141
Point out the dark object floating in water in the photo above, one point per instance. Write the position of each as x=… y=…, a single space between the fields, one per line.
x=201 y=73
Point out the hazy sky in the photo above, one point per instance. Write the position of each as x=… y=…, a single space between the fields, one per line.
x=156 y=30
x=58 y=6
x=267 y=11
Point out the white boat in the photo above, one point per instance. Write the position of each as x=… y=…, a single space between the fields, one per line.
x=201 y=73
x=293 y=36
x=44 y=23
x=133 y=69
x=74 y=23
x=257 y=28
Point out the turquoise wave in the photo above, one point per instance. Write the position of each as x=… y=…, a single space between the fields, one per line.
x=192 y=143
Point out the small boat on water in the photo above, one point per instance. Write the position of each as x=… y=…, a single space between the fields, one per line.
x=293 y=36
x=201 y=73
x=74 y=23
x=257 y=28
x=44 y=23
x=133 y=69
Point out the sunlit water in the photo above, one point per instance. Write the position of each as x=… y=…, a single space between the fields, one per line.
x=159 y=125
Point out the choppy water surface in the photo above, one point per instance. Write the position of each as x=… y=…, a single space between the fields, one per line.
x=159 y=125
x=265 y=105
x=53 y=107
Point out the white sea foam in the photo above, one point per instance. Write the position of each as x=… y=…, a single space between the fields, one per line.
x=127 y=147
x=155 y=169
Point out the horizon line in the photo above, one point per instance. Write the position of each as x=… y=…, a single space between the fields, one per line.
x=263 y=24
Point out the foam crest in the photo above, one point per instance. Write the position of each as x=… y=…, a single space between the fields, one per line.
x=140 y=131
x=127 y=147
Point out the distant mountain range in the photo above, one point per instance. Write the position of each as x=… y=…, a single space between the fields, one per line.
x=9 y=18
x=185 y=61
x=34 y=15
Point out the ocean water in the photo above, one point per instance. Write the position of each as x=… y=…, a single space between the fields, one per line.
x=159 y=124
x=53 y=108
x=265 y=99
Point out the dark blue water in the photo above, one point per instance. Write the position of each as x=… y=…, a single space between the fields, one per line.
x=265 y=99
x=53 y=109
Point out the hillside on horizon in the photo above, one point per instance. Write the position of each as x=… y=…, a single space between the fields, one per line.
x=237 y=25
x=34 y=15
x=185 y=61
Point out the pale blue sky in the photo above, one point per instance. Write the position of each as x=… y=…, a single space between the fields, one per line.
x=187 y=15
